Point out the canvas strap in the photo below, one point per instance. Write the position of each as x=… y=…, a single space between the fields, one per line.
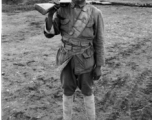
x=81 y=21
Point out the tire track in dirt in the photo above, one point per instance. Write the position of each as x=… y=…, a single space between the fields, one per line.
x=124 y=85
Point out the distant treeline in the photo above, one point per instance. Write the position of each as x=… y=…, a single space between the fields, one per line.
x=23 y=1
x=30 y=2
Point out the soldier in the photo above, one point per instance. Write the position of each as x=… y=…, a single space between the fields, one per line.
x=81 y=54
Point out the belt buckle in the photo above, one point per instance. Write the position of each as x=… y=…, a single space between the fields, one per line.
x=76 y=49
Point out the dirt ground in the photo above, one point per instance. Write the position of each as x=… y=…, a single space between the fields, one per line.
x=30 y=82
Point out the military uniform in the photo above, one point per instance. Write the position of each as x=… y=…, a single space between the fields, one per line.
x=82 y=30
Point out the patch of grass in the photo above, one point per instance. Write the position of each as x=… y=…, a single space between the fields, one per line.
x=14 y=8
x=14 y=2
x=24 y=5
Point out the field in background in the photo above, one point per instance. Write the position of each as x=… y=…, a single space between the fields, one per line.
x=30 y=83
x=26 y=5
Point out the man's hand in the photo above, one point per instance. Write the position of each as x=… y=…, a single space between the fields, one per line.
x=96 y=73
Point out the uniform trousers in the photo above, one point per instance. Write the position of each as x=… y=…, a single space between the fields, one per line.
x=70 y=81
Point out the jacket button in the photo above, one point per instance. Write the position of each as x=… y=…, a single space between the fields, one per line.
x=70 y=33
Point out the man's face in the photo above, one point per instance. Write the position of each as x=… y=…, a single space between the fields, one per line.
x=78 y=1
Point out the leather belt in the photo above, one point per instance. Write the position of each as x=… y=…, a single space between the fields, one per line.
x=77 y=42
x=74 y=49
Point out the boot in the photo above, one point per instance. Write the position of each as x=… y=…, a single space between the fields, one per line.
x=90 y=107
x=67 y=107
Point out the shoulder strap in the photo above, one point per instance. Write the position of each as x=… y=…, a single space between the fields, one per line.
x=82 y=21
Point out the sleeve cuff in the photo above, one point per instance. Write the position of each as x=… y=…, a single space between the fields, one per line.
x=49 y=31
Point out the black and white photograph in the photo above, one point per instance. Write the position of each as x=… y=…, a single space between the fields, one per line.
x=76 y=60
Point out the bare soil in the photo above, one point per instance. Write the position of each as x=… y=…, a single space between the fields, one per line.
x=30 y=83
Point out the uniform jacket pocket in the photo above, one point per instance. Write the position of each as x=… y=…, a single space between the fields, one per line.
x=85 y=61
x=90 y=23
x=88 y=56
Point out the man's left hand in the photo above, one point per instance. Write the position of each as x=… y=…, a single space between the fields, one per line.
x=96 y=73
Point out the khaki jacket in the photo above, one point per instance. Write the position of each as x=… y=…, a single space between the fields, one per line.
x=86 y=50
